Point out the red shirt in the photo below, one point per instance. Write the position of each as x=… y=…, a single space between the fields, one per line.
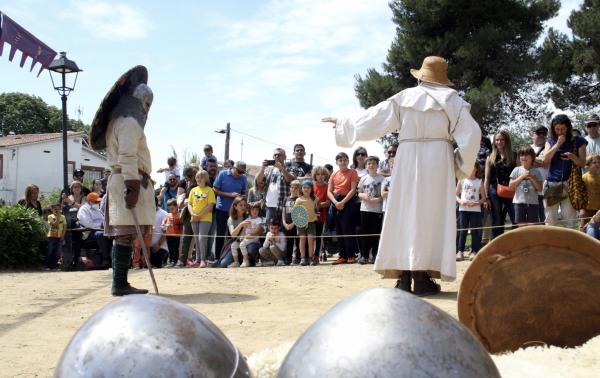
x=321 y=194
x=342 y=181
x=174 y=224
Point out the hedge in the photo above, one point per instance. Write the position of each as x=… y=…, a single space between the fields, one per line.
x=21 y=233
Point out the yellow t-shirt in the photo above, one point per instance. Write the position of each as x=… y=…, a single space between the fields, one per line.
x=200 y=198
x=56 y=231
x=592 y=186
x=310 y=205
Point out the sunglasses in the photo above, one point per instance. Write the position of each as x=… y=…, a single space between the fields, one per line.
x=391 y=152
x=361 y=154
x=589 y=126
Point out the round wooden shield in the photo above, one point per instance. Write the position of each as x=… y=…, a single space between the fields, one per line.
x=300 y=216
x=124 y=85
x=538 y=285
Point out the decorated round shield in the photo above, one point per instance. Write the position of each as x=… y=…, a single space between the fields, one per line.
x=300 y=216
x=533 y=286
x=124 y=85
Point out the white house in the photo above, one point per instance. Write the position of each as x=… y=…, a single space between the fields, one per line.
x=37 y=159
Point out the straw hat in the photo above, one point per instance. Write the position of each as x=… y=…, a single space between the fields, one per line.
x=433 y=70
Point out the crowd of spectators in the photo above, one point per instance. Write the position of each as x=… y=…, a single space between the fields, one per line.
x=211 y=216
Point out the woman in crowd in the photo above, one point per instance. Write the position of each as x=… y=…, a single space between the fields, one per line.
x=359 y=162
x=97 y=187
x=30 y=201
x=257 y=196
x=498 y=167
x=76 y=198
x=561 y=152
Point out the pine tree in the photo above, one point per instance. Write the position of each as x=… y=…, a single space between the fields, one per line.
x=573 y=64
x=489 y=46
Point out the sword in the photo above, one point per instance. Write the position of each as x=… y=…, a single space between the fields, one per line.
x=144 y=250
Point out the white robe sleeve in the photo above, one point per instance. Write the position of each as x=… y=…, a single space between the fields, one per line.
x=374 y=123
x=467 y=136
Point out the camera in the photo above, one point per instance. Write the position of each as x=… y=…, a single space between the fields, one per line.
x=270 y=162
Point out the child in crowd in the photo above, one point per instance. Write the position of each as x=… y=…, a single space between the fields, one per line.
x=235 y=224
x=371 y=213
x=341 y=191
x=56 y=236
x=311 y=204
x=320 y=175
x=201 y=202
x=286 y=220
x=273 y=248
x=252 y=231
x=526 y=181
x=469 y=196
x=208 y=153
x=173 y=227
x=385 y=188
x=591 y=179
x=171 y=169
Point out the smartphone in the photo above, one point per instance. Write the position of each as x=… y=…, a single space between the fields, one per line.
x=270 y=162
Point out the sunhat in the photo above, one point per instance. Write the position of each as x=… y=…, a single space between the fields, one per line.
x=433 y=70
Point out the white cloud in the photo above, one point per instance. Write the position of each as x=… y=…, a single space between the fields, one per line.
x=109 y=20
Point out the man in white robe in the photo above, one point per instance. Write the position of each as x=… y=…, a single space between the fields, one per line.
x=419 y=229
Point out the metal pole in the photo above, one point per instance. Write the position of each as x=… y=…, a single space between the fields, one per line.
x=311 y=159
x=227 y=130
x=64 y=136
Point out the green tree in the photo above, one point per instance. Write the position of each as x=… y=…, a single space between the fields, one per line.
x=27 y=114
x=489 y=46
x=573 y=64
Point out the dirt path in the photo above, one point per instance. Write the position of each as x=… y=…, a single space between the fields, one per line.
x=256 y=308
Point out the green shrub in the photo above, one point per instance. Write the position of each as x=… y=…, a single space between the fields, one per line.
x=21 y=232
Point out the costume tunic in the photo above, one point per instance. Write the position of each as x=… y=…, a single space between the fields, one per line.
x=419 y=229
x=126 y=148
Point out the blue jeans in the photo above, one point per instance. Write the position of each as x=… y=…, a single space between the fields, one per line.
x=272 y=213
x=221 y=221
x=593 y=230
x=53 y=253
x=466 y=220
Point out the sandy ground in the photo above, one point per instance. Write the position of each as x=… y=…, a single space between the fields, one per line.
x=257 y=308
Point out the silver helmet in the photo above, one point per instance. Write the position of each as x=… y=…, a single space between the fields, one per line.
x=145 y=335
x=387 y=333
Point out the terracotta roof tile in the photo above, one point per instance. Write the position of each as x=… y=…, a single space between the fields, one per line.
x=17 y=139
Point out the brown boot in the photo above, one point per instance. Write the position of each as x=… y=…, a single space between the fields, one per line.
x=126 y=290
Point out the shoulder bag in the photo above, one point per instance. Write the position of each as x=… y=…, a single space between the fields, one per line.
x=577 y=192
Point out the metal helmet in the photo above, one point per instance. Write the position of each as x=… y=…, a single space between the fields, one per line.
x=144 y=335
x=387 y=333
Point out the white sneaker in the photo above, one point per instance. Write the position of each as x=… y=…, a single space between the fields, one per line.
x=280 y=263
x=234 y=265
x=244 y=264
x=459 y=256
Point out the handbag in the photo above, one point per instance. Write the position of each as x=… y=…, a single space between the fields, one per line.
x=504 y=191
x=577 y=192
x=554 y=192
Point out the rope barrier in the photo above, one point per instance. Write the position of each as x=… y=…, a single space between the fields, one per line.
x=351 y=236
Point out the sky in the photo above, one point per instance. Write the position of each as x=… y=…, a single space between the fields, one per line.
x=272 y=68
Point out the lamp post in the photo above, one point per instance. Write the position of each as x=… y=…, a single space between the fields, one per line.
x=227 y=132
x=64 y=66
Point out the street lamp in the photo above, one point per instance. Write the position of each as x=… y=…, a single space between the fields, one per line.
x=64 y=66
x=227 y=132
